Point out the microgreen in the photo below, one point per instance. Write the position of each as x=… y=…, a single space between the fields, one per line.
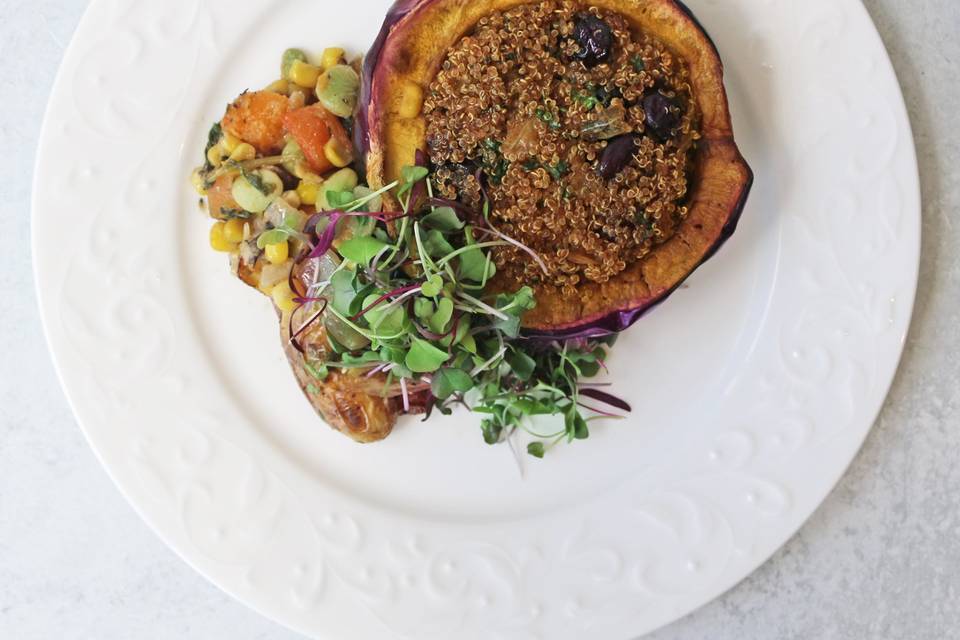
x=443 y=219
x=423 y=357
x=449 y=381
x=286 y=230
x=410 y=176
x=408 y=304
x=361 y=250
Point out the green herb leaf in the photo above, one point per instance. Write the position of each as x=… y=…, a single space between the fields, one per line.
x=410 y=176
x=340 y=199
x=385 y=319
x=475 y=265
x=423 y=308
x=231 y=214
x=441 y=319
x=521 y=364
x=437 y=245
x=393 y=354
x=361 y=250
x=536 y=449
x=469 y=344
x=320 y=372
x=274 y=236
x=514 y=306
x=558 y=170
x=367 y=357
x=343 y=291
x=213 y=139
x=423 y=357
x=448 y=381
x=443 y=219
x=257 y=182
x=432 y=287
x=589 y=369
x=492 y=431
x=549 y=118
x=530 y=406
x=576 y=426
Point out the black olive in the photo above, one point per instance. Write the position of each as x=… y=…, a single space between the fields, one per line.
x=595 y=38
x=617 y=155
x=662 y=114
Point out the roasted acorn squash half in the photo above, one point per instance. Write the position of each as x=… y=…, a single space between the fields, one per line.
x=391 y=128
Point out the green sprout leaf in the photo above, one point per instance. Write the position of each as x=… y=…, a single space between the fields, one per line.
x=409 y=176
x=522 y=365
x=437 y=245
x=492 y=431
x=432 y=287
x=443 y=219
x=449 y=381
x=343 y=291
x=320 y=372
x=340 y=199
x=514 y=306
x=536 y=449
x=423 y=357
x=440 y=320
x=384 y=319
x=361 y=250
x=274 y=236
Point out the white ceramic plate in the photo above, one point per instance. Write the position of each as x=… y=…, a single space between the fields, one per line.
x=753 y=387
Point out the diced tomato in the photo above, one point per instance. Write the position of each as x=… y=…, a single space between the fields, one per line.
x=220 y=196
x=312 y=127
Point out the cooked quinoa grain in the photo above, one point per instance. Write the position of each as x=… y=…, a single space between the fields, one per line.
x=515 y=106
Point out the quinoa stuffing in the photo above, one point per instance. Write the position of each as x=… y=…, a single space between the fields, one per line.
x=582 y=131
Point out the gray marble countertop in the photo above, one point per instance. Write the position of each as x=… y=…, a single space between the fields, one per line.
x=879 y=560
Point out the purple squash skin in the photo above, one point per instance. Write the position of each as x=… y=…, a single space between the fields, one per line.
x=361 y=127
x=614 y=322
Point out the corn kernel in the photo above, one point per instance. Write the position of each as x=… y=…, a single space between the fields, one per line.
x=304 y=74
x=411 y=101
x=292 y=198
x=331 y=57
x=218 y=239
x=278 y=253
x=233 y=231
x=339 y=155
x=302 y=170
x=230 y=142
x=283 y=297
x=309 y=191
x=243 y=152
x=279 y=86
x=196 y=178
x=216 y=155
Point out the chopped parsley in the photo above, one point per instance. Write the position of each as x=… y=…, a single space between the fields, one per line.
x=213 y=139
x=549 y=118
